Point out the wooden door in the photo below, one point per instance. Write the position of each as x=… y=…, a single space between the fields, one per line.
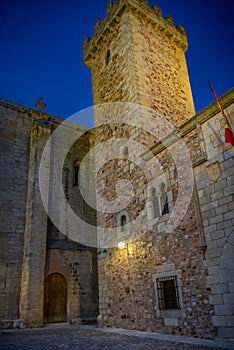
x=55 y=299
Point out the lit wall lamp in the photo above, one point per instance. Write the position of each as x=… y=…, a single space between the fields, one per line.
x=123 y=245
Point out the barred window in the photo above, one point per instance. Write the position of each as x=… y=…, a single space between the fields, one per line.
x=168 y=297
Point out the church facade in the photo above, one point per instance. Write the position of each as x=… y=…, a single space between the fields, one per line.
x=161 y=179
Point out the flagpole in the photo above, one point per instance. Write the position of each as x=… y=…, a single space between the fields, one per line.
x=229 y=136
x=218 y=102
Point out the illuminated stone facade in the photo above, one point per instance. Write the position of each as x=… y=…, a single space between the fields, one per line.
x=137 y=57
x=160 y=280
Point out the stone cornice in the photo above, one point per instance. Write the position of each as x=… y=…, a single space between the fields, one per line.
x=44 y=119
x=23 y=109
x=226 y=100
x=152 y=14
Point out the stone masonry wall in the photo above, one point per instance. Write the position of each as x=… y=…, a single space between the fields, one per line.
x=137 y=56
x=15 y=138
x=215 y=186
x=127 y=278
x=26 y=251
x=32 y=284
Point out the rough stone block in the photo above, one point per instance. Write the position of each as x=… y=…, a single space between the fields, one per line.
x=219 y=321
x=212 y=261
x=216 y=219
x=222 y=209
x=218 y=288
x=213 y=270
x=18 y=324
x=213 y=252
x=214 y=279
x=224 y=224
x=217 y=234
x=216 y=299
x=223 y=310
x=231 y=287
x=171 y=322
x=6 y=324
x=230 y=321
x=201 y=193
x=228 y=298
x=225 y=199
x=226 y=332
x=226 y=275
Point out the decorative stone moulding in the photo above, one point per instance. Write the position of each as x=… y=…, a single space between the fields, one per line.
x=153 y=14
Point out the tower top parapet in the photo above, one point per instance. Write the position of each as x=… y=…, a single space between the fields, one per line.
x=153 y=14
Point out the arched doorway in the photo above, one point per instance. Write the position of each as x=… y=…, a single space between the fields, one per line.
x=55 y=298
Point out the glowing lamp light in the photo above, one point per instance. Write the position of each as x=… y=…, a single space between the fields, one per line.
x=121 y=245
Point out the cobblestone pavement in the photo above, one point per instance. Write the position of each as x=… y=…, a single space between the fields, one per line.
x=84 y=338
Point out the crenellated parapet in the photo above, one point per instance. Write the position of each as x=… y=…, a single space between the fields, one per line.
x=153 y=14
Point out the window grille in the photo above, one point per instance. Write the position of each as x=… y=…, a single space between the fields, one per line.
x=168 y=297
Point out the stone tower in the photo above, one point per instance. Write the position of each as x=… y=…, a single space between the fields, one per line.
x=158 y=282
x=137 y=56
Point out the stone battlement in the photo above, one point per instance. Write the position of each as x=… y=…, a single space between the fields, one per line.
x=153 y=14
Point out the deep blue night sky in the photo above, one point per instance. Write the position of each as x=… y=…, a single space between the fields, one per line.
x=41 y=49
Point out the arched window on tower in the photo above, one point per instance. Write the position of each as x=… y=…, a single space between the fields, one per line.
x=123 y=221
x=155 y=203
x=164 y=200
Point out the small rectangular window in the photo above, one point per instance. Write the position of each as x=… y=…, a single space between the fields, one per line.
x=167 y=289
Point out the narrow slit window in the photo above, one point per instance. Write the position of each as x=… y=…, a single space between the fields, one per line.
x=164 y=200
x=123 y=221
x=155 y=203
x=108 y=57
x=76 y=174
x=165 y=209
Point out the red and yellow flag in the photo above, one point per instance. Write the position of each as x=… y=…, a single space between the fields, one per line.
x=229 y=135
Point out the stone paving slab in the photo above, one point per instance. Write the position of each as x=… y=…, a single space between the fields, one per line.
x=92 y=338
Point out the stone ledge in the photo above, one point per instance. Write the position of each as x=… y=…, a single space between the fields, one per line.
x=12 y=324
x=83 y=320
